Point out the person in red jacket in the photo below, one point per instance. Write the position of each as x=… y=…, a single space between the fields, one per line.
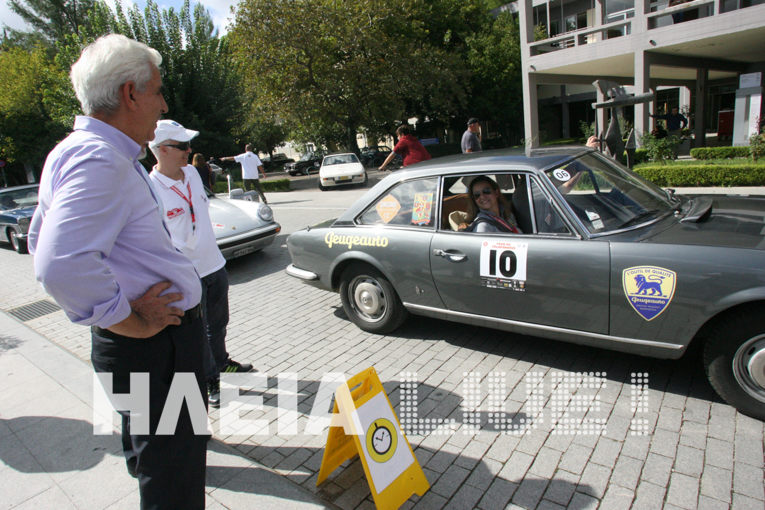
x=408 y=147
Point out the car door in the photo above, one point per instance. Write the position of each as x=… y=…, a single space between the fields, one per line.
x=554 y=279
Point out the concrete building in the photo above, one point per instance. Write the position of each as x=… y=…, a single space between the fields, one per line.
x=693 y=54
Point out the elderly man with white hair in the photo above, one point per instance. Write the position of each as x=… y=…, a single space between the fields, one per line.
x=102 y=252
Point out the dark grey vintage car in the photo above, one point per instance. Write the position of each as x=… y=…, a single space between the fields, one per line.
x=605 y=259
x=17 y=205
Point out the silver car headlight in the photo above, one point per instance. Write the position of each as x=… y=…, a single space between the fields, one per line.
x=24 y=224
x=265 y=213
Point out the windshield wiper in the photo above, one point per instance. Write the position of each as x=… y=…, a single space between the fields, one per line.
x=639 y=218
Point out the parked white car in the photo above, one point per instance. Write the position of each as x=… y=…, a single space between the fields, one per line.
x=341 y=169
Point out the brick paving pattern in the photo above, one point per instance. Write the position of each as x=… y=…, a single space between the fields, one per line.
x=681 y=447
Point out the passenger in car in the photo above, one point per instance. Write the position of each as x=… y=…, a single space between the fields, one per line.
x=490 y=210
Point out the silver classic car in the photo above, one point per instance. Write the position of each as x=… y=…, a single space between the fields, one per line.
x=601 y=258
x=241 y=224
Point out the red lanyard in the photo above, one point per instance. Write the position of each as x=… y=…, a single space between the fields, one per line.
x=188 y=201
x=504 y=223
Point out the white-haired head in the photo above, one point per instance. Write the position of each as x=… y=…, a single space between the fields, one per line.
x=107 y=64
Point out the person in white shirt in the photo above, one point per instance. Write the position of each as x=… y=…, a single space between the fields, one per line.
x=252 y=169
x=187 y=217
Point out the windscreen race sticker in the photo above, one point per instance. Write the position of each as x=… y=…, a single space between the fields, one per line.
x=503 y=265
x=649 y=289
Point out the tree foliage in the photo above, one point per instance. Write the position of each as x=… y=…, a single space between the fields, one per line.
x=29 y=127
x=53 y=19
x=330 y=67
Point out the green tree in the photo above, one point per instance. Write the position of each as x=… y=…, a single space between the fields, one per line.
x=28 y=126
x=53 y=19
x=494 y=57
x=328 y=68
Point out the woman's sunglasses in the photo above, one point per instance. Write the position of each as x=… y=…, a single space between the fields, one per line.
x=485 y=191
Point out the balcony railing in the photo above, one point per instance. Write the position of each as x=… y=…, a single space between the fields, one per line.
x=660 y=16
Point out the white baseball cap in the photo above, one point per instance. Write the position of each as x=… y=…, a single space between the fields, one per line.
x=171 y=130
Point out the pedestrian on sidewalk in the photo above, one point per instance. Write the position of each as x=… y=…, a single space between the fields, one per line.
x=471 y=138
x=252 y=169
x=408 y=147
x=102 y=252
x=187 y=216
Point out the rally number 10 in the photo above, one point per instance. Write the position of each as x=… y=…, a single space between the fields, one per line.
x=507 y=263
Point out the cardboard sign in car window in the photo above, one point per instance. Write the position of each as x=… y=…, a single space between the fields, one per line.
x=388 y=208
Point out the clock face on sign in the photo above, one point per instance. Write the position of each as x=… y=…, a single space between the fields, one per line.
x=381 y=440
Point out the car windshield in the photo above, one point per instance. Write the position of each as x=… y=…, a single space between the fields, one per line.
x=307 y=156
x=607 y=197
x=340 y=159
x=16 y=198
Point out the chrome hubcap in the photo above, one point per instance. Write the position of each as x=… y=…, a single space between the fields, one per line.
x=368 y=298
x=749 y=367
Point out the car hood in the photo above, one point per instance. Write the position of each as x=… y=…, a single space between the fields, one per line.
x=732 y=221
x=233 y=217
x=342 y=169
x=21 y=212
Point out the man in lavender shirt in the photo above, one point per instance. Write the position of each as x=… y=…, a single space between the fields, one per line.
x=102 y=252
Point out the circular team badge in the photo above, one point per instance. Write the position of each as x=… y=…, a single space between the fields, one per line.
x=381 y=440
x=562 y=175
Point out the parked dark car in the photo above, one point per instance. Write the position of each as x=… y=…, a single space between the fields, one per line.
x=375 y=155
x=17 y=205
x=605 y=259
x=276 y=162
x=309 y=162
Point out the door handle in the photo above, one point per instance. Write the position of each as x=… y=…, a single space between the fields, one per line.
x=452 y=255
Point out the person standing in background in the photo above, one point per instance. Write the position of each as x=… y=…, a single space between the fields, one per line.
x=471 y=138
x=408 y=147
x=204 y=171
x=252 y=169
x=101 y=250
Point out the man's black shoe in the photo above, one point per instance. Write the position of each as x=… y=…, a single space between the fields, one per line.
x=236 y=367
x=213 y=393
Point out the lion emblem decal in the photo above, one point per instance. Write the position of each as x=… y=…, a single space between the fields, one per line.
x=649 y=289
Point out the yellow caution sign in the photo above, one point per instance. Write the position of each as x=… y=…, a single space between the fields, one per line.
x=363 y=409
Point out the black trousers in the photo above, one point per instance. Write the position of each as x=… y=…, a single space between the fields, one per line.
x=215 y=314
x=255 y=185
x=170 y=468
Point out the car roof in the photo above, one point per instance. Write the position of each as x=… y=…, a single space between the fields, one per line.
x=485 y=162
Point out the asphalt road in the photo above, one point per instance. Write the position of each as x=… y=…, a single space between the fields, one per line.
x=644 y=433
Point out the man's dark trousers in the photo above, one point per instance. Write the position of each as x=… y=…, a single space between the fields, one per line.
x=215 y=313
x=170 y=468
x=255 y=184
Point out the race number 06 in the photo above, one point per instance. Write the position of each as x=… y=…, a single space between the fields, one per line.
x=506 y=263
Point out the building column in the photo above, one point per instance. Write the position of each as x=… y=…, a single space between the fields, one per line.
x=684 y=94
x=642 y=85
x=565 y=118
x=699 y=124
x=530 y=103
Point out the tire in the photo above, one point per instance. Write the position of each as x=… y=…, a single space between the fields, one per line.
x=734 y=360
x=20 y=245
x=369 y=300
x=323 y=188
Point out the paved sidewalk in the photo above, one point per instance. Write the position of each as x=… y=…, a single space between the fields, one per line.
x=50 y=458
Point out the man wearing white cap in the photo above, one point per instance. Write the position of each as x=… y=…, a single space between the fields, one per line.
x=187 y=216
x=252 y=169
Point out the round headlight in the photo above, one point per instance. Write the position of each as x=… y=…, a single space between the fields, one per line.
x=265 y=213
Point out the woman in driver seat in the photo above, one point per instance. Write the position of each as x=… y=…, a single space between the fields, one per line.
x=488 y=206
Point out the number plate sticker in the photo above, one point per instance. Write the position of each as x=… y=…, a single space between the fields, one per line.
x=503 y=265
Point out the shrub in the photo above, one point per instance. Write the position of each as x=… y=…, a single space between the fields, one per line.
x=659 y=149
x=747 y=174
x=757 y=146
x=719 y=152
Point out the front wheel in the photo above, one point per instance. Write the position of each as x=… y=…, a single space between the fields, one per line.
x=369 y=299
x=20 y=245
x=734 y=360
